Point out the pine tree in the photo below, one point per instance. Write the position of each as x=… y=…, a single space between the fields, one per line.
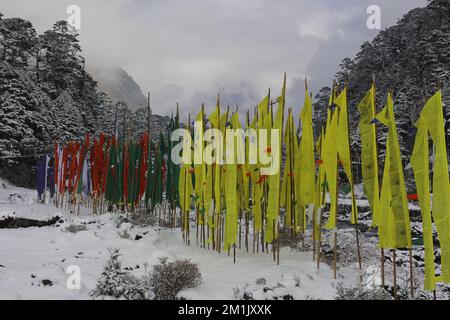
x=411 y=58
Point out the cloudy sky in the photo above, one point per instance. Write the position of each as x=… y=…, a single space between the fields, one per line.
x=189 y=50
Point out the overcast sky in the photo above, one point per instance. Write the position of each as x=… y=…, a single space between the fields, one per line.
x=189 y=50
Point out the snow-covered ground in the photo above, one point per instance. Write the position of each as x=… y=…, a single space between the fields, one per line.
x=30 y=256
x=34 y=261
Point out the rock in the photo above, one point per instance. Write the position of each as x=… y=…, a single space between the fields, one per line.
x=47 y=282
x=261 y=281
x=13 y=222
x=139 y=236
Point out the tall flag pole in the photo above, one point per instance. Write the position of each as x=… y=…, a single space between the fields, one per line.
x=307 y=167
x=331 y=165
x=394 y=229
x=431 y=122
x=345 y=158
x=199 y=169
x=231 y=180
x=273 y=205
x=320 y=196
x=286 y=198
x=369 y=158
x=185 y=185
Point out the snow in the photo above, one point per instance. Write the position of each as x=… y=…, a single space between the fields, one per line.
x=30 y=255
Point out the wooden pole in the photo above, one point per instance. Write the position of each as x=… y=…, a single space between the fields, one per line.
x=278 y=245
x=246 y=201
x=291 y=173
x=203 y=199
x=355 y=218
x=273 y=241
x=322 y=202
x=411 y=272
x=335 y=255
x=382 y=269
x=337 y=202
x=240 y=228
x=186 y=203
x=383 y=281
x=395 y=272
x=197 y=225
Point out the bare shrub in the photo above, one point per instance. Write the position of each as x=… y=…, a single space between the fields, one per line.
x=169 y=278
x=361 y=293
x=296 y=241
x=74 y=228
x=124 y=234
x=142 y=218
x=262 y=292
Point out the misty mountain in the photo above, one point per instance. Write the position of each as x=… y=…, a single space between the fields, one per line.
x=47 y=97
x=118 y=84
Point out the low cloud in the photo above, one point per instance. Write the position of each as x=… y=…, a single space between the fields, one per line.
x=188 y=51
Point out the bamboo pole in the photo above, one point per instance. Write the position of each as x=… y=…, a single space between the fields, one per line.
x=335 y=255
x=273 y=241
x=291 y=174
x=240 y=228
x=278 y=245
x=382 y=269
x=203 y=198
x=353 y=198
x=197 y=218
x=337 y=187
x=265 y=191
x=411 y=272
x=322 y=202
x=378 y=178
x=186 y=209
x=394 y=264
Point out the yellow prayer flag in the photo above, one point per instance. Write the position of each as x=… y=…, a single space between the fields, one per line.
x=432 y=115
x=306 y=181
x=369 y=153
x=394 y=229
x=343 y=147
x=421 y=163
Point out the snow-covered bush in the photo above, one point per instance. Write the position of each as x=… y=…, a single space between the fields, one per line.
x=347 y=251
x=74 y=228
x=169 y=278
x=118 y=283
x=139 y=218
x=297 y=241
x=265 y=292
x=124 y=234
x=361 y=293
x=142 y=218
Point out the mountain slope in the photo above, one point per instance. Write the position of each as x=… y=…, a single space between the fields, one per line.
x=411 y=58
x=119 y=85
